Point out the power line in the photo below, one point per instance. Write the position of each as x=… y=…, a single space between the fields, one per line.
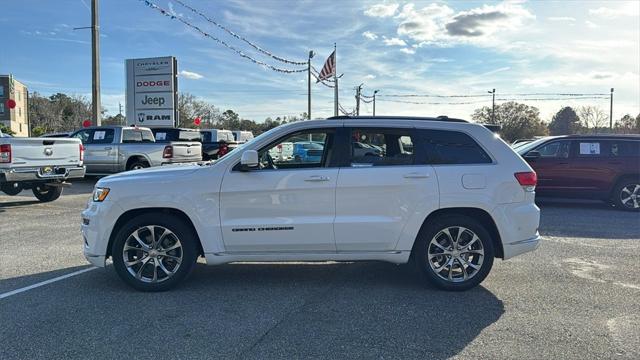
x=222 y=42
x=498 y=99
x=253 y=45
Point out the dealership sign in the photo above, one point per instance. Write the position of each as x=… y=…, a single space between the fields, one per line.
x=152 y=90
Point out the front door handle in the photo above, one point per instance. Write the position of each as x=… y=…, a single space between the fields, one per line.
x=317 y=178
x=108 y=148
x=416 y=175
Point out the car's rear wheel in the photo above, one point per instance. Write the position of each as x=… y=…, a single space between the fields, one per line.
x=154 y=252
x=137 y=165
x=626 y=195
x=454 y=252
x=47 y=193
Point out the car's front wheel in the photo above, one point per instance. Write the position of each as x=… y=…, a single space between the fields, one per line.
x=626 y=195
x=454 y=252
x=154 y=251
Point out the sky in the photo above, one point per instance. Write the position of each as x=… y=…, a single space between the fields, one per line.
x=396 y=47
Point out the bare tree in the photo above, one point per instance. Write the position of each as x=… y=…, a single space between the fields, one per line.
x=592 y=117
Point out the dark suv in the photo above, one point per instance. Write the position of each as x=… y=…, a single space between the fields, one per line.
x=604 y=167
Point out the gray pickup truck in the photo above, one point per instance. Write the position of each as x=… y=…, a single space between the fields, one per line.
x=112 y=149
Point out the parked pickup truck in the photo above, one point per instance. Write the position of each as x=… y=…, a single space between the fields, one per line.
x=216 y=143
x=112 y=149
x=41 y=165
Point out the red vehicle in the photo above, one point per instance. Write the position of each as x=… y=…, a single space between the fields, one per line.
x=603 y=167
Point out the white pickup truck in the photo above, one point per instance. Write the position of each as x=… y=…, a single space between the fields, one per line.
x=39 y=164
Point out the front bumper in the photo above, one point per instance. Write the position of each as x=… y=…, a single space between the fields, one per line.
x=98 y=220
x=59 y=173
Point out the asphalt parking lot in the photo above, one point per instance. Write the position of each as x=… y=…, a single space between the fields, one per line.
x=576 y=297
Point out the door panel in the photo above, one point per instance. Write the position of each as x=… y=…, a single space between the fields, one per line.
x=552 y=167
x=373 y=204
x=278 y=210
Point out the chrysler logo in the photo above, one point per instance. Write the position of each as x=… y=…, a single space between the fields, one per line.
x=48 y=151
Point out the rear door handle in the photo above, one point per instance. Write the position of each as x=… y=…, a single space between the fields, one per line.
x=317 y=178
x=416 y=175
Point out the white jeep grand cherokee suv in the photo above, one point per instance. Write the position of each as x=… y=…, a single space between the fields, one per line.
x=447 y=194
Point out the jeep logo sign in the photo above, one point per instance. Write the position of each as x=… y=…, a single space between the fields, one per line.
x=151 y=91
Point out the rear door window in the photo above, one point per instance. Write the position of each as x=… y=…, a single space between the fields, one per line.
x=381 y=147
x=137 y=135
x=591 y=149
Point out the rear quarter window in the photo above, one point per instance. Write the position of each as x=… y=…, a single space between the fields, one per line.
x=451 y=147
x=623 y=148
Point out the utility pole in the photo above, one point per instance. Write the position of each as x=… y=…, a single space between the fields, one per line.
x=309 y=85
x=335 y=79
x=611 y=111
x=493 y=105
x=374 y=102
x=358 y=90
x=120 y=108
x=95 y=64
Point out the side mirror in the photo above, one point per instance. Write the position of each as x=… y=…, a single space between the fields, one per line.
x=532 y=155
x=249 y=160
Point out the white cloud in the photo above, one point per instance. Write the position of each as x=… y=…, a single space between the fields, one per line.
x=381 y=10
x=190 y=75
x=394 y=42
x=408 y=50
x=369 y=77
x=591 y=25
x=369 y=35
x=629 y=8
x=426 y=24
x=561 y=18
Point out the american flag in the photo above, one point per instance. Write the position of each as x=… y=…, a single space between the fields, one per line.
x=329 y=68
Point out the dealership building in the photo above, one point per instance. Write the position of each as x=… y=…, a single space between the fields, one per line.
x=15 y=119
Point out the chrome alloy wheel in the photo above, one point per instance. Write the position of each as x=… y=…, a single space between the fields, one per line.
x=630 y=196
x=152 y=254
x=455 y=254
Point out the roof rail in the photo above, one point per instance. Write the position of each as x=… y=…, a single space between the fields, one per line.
x=439 y=118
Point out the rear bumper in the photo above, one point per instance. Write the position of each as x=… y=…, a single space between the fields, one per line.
x=36 y=174
x=518 y=227
x=179 y=161
x=522 y=246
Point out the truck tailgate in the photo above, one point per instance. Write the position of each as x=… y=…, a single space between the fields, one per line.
x=185 y=151
x=37 y=152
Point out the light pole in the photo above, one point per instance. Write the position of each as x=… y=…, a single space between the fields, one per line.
x=493 y=105
x=95 y=61
x=311 y=53
x=611 y=111
x=374 y=102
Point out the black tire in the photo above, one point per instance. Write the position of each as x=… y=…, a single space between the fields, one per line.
x=137 y=165
x=47 y=193
x=626 y=194
x=435 y=228
x=189 y=251
x=10 y=190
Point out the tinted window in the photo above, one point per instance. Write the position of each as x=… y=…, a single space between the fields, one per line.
x=555 y=149
x=83 y=135
x=136 y=135
x=452 y=147
x=292 y=151
x=624 y=148
x=381 y=147
x=205 y=137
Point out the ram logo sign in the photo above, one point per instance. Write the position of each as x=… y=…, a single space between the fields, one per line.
x=152 y=90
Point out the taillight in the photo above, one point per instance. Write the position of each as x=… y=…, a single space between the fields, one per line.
x=5 y=153
x=528 y=180
x=168 y=152
x=224 y=149
x=81 y=152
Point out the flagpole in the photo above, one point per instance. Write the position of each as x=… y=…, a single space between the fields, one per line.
x=335 y=79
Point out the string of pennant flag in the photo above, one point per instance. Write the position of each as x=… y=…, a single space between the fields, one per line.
x=239 y=37
x=222 y=42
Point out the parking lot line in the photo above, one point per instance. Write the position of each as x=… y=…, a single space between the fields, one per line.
x=46 y=282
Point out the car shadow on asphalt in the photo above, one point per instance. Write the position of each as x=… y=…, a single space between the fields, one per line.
x=326 y=310
x=12 y=204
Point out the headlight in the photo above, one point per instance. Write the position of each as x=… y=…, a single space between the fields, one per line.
x=99 y=194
